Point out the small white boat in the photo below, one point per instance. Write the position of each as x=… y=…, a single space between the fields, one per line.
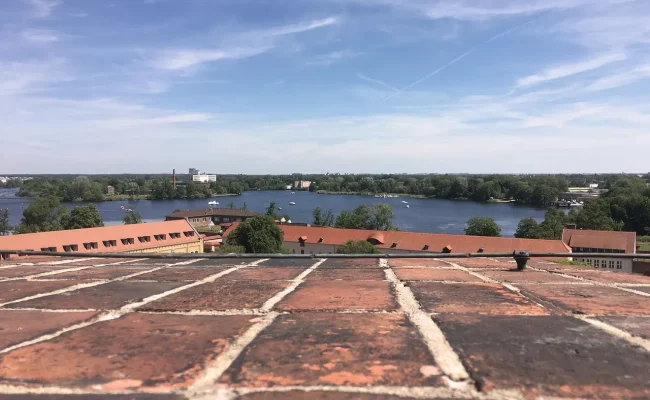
x=293 y=192
x=405 y=202
x=292 y=203
x=212 y=203
x=407 y=206
x=279 y=208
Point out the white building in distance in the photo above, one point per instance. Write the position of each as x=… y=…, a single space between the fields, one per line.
x=204 y=178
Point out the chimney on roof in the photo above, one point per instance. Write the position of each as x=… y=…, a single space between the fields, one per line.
x=393 y=245
x=174 y=178
x=481 y=250
x=446 y=249
x=426 y=247
x=570 y=226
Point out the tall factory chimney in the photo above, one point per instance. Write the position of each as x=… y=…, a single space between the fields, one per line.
x=174 y=177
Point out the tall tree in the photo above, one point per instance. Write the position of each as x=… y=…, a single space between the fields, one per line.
x=83 y=217
x=4 y=222
x=258 y=234
x=244 y=206
x=482 y=226
x=320 y=219
x=527 y=229
x=132 y=216
x=382 y=218
x=553 y=224
x=43 y=215
x=271 y=210
x=231 y=205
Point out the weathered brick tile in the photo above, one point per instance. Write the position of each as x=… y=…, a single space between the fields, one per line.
x=637 y=326
x=340 y=295
x=267 y=273
x=472 y=298
x=133 y=352
x=433 y=274
x=222 y=262
x=350 y=263
x=548 y=266
x=177 y=274
x=143 y=396
x=19 y=326
x=14 y=290
x=223 y=294
x=644 y=289
x=547 y=355
x=610 y=277
x=322 y=395
x=102 y=297
x=514 y=276
x=288 y=262
x=335 y=349
x=347 y=274
x=416 y=262
x=97 y=273
x=586 y=299
x=28 y=270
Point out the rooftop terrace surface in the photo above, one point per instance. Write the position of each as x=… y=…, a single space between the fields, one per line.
x=321 y=329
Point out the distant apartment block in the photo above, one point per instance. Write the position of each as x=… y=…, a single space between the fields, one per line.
x=588 y=241
x=301 y=185
x=110 y=190
x=194 y=171
x=204 y=178
x=154 y=237
x=211 y=216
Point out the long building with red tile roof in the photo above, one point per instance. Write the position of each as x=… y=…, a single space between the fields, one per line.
x=324 y=240
x=590 y=241
x=153 y=237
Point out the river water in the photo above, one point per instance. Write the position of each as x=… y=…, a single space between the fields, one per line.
x=424 y=215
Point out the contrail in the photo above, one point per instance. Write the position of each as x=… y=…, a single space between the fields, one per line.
x=460 y=57
x=377 y=82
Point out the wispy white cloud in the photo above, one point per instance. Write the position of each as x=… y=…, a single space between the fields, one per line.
x=185 y=58
x=42 y=8
x=327 y=59
x=620 y=79
x=39 y=37
x=31 y=76
x=567 y=70
x=301 y=27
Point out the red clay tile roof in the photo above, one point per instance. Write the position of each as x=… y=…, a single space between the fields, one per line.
x=600 y=239
x=59 y=239
x=321 y=329
x=414 y=241
x=225 y=212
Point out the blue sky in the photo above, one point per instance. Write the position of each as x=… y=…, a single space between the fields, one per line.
x=281 y=86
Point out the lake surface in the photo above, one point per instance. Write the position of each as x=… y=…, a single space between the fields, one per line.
x=424 y=215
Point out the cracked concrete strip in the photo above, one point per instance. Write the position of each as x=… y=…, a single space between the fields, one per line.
x=435 y=340
x=60 y=271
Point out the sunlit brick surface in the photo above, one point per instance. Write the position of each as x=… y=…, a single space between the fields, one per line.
x=334 y=329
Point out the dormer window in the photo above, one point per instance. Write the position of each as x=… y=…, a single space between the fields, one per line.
x=392 y=246
x=91 y=245
x=426 y=247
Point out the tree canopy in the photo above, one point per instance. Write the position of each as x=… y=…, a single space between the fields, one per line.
x=527 y=229
x=4 y=221
x=132 y=216
x=258 y=234
x=357 y=247
x=482 y=226
x=323 y=219
x=43 y=215
x=87 y=216
x=379 y=217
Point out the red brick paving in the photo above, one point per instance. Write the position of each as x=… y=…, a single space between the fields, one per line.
x=547 y=355
x=431 y=274
x=138 y=350
x=176 y=274
x=585 y=299
x=416 y=262
x=97 y=273
x=108 y=297
x=472 y=298
x=19 y=326
x=347 y=274
x=340 y=295
x=14 y=290
x=610 y=277
x=342 y=326
x=22 y=271
x=224 y=294
x=340 y=349
x=267 y=273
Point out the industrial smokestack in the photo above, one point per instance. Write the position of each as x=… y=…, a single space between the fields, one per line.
x=174 y=177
